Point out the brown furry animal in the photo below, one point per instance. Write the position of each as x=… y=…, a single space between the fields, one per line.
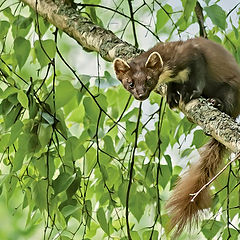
x=193 y=68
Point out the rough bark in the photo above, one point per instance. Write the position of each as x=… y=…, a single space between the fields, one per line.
x=214 y=122
x=87 y=34
x=94 y=38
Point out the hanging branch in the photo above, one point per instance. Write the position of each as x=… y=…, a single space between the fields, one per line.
x=133 y=23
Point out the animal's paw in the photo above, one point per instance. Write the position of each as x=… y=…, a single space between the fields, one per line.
x=173 y=99
x=216 y=102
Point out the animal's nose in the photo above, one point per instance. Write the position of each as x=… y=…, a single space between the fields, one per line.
x=142 y=96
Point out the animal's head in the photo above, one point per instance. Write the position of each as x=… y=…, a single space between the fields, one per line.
x=139 y=76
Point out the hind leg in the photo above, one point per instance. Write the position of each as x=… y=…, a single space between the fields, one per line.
x=226 y=100
x=173 y=94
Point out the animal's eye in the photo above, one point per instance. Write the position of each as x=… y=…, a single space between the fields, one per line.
x=131 y=84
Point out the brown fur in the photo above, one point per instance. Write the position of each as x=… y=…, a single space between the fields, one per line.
x=181 y=209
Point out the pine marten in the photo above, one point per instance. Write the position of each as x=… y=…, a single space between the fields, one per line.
x=193 y=68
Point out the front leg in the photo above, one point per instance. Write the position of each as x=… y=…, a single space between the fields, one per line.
x=194 y=85
x=187 y=93
x=177 y=92
x=173 y=94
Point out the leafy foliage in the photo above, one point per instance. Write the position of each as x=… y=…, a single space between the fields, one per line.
x=79 y=156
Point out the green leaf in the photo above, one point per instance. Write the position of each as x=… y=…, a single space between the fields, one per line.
x=151 y=140
x=9 y=91
x=15 y=131
x=64 y=93
x=130 y=127
x=169 y=162
x=236 y=33
x=91 y=109
x=69 y=210
x=102 y=101
x=102 y=220
x=217 y=15
x=151 y=235
x=163 y=17
x=61 y=219
x=122 y=190
x=62 y=182
x=135 y=235
x=186 y=152
x=21 y=26
x=10 y=183
x=90 y=160
x=33 y=143
x=129 y=115
x=199 y=139
x=21 y=153
x=39 y=190
x=92 y=1
x=22 y=98
x=33 y=107
x=44 y=134
x=188 y=6
x=43 y=25
x=49 y=118
x=40 y=165
x=44 y=50
x=91 y=231
x=72 y=189
x=8 y=13
x=113 y=175
x=107 y=81
x=4 y=139
x=11 y=117
x=138 y=202
x=165 y=175
x=4 y=26
x=108 y=146
x=210 y=228
x=74 y=150
x=230 y=233
x=22 y=49
x=88 y=212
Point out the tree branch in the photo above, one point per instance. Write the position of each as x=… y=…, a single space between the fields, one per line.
x=86 y=33
x=214 y=122
x=92 y=37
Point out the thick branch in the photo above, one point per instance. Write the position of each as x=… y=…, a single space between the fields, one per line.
x=87 y=34
x=214 y=122
x=92 y=37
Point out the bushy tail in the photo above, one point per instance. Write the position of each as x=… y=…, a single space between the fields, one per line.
x=181 y=210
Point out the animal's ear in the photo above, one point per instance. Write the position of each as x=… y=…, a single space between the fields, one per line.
x=154 y=61
x=120 y=67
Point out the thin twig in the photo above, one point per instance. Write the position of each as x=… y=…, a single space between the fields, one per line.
x=232 y=9
x=200 y=18
x=131 y=172
x=133 y=23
